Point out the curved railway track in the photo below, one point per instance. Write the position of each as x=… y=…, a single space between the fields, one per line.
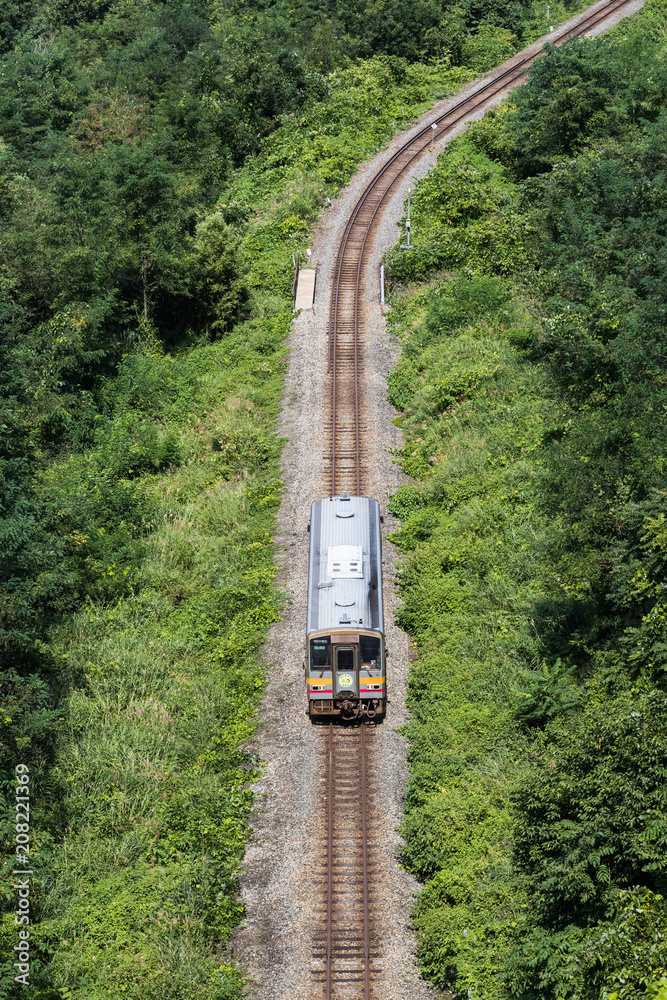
x=346 y=955
x=347 y=419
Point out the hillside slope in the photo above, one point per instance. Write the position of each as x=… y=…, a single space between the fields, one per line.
x=531 y=387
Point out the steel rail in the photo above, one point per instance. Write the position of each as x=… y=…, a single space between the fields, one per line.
x=486 y=89
x=467 y=106
x=346 y=938
x=364 y=848
x=330 y=859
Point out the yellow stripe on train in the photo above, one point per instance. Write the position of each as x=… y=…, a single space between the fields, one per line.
x=362 y=680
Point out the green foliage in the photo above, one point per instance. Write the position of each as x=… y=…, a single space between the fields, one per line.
x=631 y=950
x=333 y=31
x=466 y=299
x=466 y=214
x=582 y=94
x=131 y=445
x=52 y=364
x=590 y=824
x=164 y=522
x=551 y=691
x=139 y=459
x=534 y=537
x=159 y=165
x=220 y=285
x=488 y=47
x=470 y=581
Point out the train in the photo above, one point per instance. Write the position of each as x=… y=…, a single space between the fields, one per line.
x=345 y=642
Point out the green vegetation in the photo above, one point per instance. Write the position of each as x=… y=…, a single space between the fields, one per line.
x=159 y=164
x=143 y=352
x=148 y=781
x=532 y=395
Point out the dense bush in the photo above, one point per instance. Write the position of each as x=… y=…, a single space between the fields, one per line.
x=530 y=391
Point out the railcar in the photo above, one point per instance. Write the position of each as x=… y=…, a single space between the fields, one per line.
x=345 y=647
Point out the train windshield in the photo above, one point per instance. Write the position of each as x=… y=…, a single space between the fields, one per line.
x=320 y=652
x=370 y=649
x=345 y=658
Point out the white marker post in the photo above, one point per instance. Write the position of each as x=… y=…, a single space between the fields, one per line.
x=407 y=221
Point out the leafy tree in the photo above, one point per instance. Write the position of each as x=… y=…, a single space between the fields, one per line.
x=15 y=15
x=219 y=284
x=579 y=93
x=579 y=162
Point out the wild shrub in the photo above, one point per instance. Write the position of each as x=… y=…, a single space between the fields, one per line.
x=540 y=496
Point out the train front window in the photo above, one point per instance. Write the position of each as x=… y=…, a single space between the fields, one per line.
x=345 y=658
x=320 y=653
x=370 y=650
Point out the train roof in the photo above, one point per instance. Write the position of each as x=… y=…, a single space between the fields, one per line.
x=345 y=567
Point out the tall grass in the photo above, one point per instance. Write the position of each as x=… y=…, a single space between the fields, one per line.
x=471 y=574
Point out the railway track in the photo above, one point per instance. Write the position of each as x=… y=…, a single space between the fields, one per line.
x=345 y=963
x=347 y=418
x=346 y=956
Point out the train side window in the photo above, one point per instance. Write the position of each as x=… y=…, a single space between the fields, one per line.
x=370 y=649
x=320 y=652
x=345 y=658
